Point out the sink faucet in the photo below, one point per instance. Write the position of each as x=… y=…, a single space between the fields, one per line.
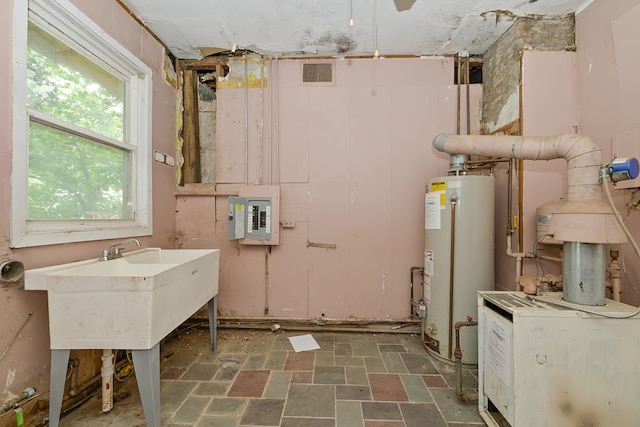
x=115 y=251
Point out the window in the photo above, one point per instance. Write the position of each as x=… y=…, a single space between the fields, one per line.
x=81 y=131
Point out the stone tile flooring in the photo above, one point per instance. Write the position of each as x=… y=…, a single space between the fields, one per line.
x=255 y=378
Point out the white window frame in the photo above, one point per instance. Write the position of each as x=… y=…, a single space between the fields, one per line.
x=66 y=22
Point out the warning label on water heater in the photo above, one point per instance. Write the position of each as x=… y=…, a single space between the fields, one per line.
x=428 y=272
x=432 y=206
x=438 y=186
x=428 y=262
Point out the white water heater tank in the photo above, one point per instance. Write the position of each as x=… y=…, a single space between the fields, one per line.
x=458 y=259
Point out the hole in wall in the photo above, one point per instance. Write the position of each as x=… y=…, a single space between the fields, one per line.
x=475 y=73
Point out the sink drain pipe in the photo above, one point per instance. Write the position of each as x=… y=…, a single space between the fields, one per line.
x=74 y=362
x=107 y=380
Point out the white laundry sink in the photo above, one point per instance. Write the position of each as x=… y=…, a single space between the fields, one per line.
x=125 y=303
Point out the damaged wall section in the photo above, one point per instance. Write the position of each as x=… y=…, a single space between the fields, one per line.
x=197 y=115
x=501 y=69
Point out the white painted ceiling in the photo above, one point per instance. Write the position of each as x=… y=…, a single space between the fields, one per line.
x=193 y=28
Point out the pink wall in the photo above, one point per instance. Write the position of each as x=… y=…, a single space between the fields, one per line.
x=26 y=363
x=352 y=160
x=606 y=73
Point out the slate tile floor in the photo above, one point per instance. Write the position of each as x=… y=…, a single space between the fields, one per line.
x=256 y=379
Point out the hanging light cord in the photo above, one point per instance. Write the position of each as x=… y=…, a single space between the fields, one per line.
x=351 y=23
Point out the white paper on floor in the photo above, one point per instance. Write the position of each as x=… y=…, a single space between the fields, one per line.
x=303 y=343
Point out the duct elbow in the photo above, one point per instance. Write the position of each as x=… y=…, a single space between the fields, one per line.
x=575 y=146
x=438 y=142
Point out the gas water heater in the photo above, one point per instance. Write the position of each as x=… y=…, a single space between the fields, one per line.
x=458 y=259
x=567 y=358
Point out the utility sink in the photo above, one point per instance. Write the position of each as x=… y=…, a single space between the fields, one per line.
x=128 y=303
x=131 y=302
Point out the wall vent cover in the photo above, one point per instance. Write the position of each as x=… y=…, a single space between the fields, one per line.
x=318 y=73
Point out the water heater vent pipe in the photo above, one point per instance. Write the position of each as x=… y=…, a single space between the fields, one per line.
x=586 y=217
x=583 y=156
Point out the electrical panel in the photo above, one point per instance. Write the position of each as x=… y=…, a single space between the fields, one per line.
x=237 y=218
x=252 y=215
x=249 y=218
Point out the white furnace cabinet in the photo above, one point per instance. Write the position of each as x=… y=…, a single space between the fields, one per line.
x=540 y=365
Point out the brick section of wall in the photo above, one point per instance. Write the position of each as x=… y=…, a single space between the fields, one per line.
x=501 y=68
